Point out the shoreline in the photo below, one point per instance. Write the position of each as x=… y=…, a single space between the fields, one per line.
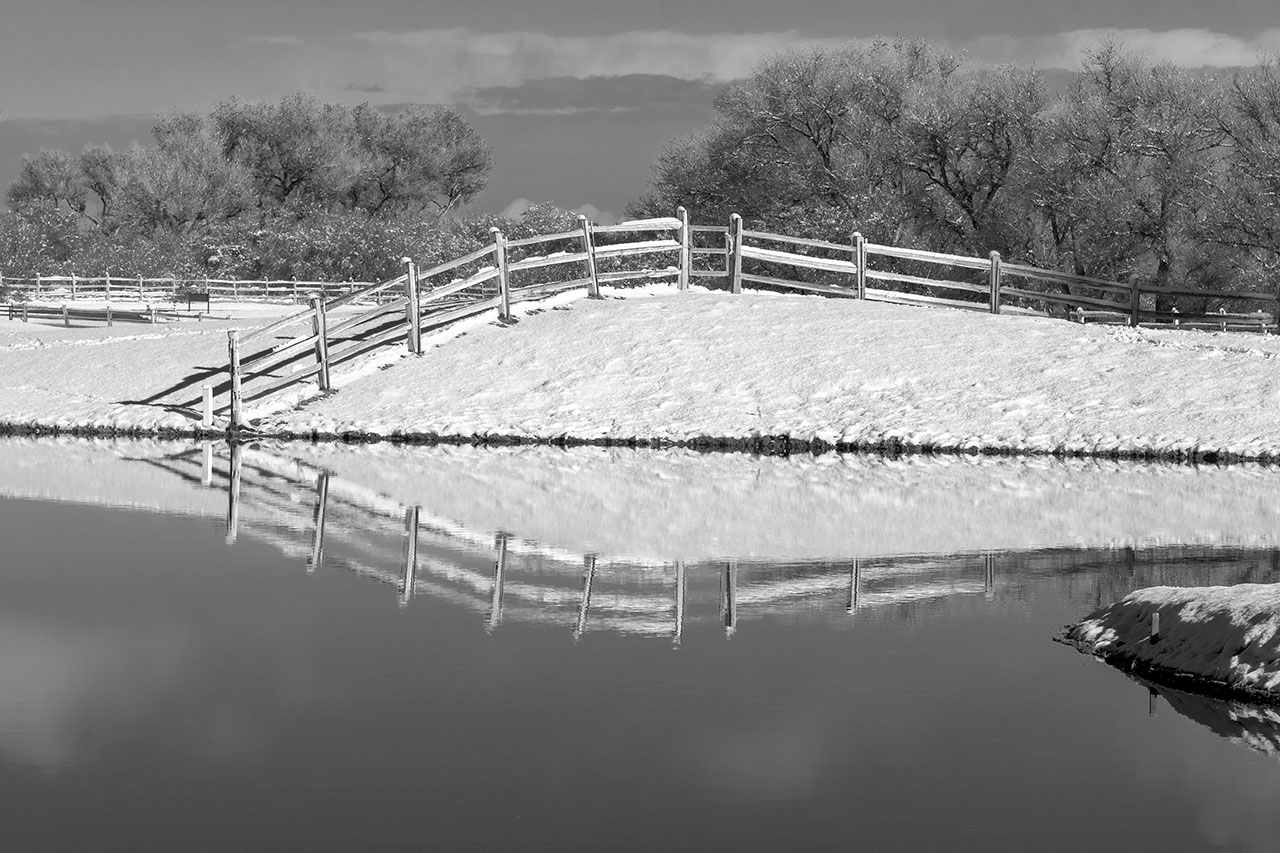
x=890 y=443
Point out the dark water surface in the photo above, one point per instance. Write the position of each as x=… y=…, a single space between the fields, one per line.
x=163 y=689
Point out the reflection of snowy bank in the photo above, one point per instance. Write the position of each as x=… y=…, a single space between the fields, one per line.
x=684 y=505
x=647 y=542
x=1254 y=726
x=1224 y=639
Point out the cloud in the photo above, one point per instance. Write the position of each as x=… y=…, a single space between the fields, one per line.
x=444 y=63
x=571 y=95
x=518 y=207
x=281 y=40
x=452 y=64
x=1187 y=47
x=364 y=87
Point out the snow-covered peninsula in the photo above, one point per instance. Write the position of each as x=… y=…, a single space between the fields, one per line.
x=656 y=365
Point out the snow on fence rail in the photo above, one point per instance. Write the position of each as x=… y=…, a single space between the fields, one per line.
x=505 y=272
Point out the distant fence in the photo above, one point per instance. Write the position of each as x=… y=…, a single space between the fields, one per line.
x=505 y=272
x=108 y=315
x=139 y=289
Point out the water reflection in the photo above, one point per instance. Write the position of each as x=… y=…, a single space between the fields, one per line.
x=325 y=519
x=368 y=666
x=1247 y=724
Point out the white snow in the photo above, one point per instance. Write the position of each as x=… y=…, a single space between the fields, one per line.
x=676 y=366
x=1226 y=637
x=681 y=366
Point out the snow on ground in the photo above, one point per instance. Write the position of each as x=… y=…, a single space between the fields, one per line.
x=92 y=375
x=681 y=366
x=1226 y=638
x=684 y=366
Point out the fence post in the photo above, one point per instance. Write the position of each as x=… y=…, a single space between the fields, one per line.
x=860 y=259
x=411 y=309
x=995 y=283
x=320 y=326
x=174 y=279
x=295 y=290
x=39 y=282
x=686 y=248
x=1134 y=299
x=109 y=322
x=141 y=296
x=66 y=318
x=108 y=287
x=589 y=246
x=24 y=312
x=151 y=314
x=735 y=253
x=504 y=282
x=233 y=346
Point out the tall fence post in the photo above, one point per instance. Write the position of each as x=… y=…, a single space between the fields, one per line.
x=39 y=282
x=233 y=348
x=66 y=316
x=320 y=325
x=108 y=287
x=735 y=253
x=589 y=246
x=860 y=259
x=1135 y=299
x=686 y=248
x=411 y=311
x=994 y=282
x=504 y=278
x=73 y=286
x=141 y=295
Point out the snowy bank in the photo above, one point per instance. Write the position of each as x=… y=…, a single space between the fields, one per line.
x=751 y=371
x=761 y=369
x=1217 y=639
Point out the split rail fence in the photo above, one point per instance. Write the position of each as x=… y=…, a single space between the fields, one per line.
x=139 y=289
x=505 y=272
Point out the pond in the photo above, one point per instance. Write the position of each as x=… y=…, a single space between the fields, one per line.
x=326 y=648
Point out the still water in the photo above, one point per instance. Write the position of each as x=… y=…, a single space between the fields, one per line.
x=289 y=660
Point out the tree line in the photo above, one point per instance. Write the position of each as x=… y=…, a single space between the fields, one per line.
x=295 y=187
x=1131 y=168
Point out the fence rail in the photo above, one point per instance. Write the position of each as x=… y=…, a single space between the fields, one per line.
x=506 y=272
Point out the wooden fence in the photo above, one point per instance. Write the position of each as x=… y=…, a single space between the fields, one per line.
x=139 y=289
x=108 y=315
x=506 y=272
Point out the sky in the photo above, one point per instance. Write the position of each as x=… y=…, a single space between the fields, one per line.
x=576 y=97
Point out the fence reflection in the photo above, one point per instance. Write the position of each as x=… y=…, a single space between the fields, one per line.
x=331 y=522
